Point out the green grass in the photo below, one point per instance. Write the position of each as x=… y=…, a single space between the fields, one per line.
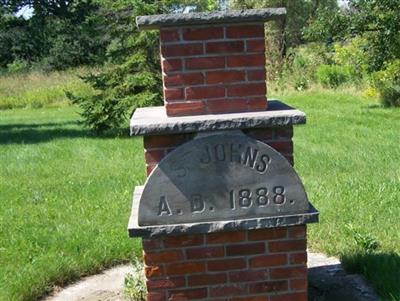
x=37 y=90
x=65 y=200
x=65 y=195
x=348 y=156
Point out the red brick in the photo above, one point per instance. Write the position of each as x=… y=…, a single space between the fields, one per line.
x=245 y=31
x=185 y=268
x=268 y=287
x=251 y=298
x=284 y=133
x=169 y=35
x=298 y=284
x=173 y=94
x=225 y=47
x=227 y=105
x=298 y=258
x=181 y=50
x=226 y=237
x=151 y=258
x=285 y=147
x=247 y=90
x=185 y=108
x=268 y=260
x=183 y=79
x=290 y=159
x=156 y=296
x=289 y=272
x=188 y=294
x=204 y=92
x=266 y=234
x=290 y=297
x=170 y=65
x=206 y=279
x=257 y=104
x=183 y=241
x=205 y=62
x=249 y=60
x=297 y=231
x=245 y=249
x=228 y=290
x=287 y=246
x=155 y=141
x=172 y=282
x=206 y=33
x=220 y=77
x=255 y=45
x=256 y=75
x=153 y=271
x=226 y=264
x=207 y=252
x=154 y=156
x=149 y=168
x=151 y=244
x=248 y=275
x=260 y=134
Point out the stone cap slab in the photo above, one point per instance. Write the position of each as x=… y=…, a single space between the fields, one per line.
x=215 y=17
x=154 y=120
x=135 y=230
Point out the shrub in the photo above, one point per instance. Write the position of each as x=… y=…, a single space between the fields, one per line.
x=352 y=55
x=333 y=76
x=18 y=66
x=300 y=65
x=387 y=82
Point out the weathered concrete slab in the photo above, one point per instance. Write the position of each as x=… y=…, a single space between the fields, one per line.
x=219 y=176
x=154 y=120
x=135 y=230
x=106 y=286
x=216 y=17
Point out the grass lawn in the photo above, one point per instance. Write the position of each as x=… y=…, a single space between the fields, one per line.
x=348 y=156
x=65 y=195
x=65 y=200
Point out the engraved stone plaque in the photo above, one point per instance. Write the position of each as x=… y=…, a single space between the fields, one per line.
x=223 y=176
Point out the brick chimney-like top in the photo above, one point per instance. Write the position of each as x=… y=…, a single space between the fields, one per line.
x=213 y=62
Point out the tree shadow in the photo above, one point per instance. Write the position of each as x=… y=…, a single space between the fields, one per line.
x=44 y=132
x=331 y=283
x=14 y=126
x=379 y=268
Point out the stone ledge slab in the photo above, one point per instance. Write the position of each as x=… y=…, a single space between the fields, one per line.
x=135 y=230
x=154 y=120
x=216 y=17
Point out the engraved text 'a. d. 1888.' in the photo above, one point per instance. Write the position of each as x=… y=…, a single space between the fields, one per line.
x=225 y=176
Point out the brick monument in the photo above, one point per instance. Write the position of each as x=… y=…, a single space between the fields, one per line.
x=222 y=214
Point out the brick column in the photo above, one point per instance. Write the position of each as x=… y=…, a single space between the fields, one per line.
x=217 y=68
x=251 y=265
x=213 y=69
x=267 y=264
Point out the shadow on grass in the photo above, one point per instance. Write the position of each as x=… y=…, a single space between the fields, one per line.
x=14 y=126
x=44 y=132
x=331 y=283
x=382 y=270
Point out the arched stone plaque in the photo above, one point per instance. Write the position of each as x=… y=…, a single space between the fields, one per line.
x=223 y=176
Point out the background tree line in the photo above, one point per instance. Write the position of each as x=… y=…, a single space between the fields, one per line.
x=317 y=42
